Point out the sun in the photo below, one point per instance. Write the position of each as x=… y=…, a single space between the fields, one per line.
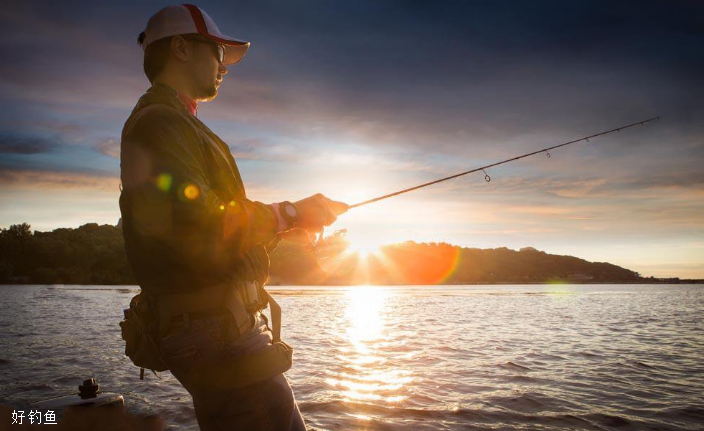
x=362 y=250
x=364 y=246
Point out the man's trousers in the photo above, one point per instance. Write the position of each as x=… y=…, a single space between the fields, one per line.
x=264 y=406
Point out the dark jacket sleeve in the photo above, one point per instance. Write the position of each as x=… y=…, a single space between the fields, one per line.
x=171 y=201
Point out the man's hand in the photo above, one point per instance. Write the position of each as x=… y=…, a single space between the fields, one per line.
x=317 y=211
x=298 y=236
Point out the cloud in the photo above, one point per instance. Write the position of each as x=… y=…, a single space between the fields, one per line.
x=262 y=149
x=17 y=144
x=94 y=64
x=248 y=149
x=539 y=210
x=564 y=183
x=109 y=147
x=514 y=84
x=43 y=180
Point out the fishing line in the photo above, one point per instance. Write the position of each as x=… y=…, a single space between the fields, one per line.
x=487 y=178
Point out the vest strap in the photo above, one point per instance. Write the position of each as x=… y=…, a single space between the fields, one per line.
x=275 y=317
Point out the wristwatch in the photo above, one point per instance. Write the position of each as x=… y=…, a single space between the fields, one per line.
x=290 y=213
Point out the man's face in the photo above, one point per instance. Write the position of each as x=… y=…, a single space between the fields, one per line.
x=207 y=71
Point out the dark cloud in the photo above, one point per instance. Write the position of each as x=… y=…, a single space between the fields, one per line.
x=693 y=179
x=460 y=77
x=109 y=147
x=471 y=80
x=11 y=143
x=247 y=149
x=57 y=179
x=448 y=76
x=263 y=149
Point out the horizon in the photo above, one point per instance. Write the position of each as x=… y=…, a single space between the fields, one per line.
x=358 y=100
x=364 y=253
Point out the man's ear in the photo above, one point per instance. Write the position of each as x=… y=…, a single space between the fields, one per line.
x=180 y=48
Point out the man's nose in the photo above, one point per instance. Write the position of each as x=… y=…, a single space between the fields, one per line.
x=222 y=69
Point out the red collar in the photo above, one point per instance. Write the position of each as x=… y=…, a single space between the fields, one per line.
x=190 y=104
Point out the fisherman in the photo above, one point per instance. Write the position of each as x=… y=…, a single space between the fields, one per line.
x=198 y=247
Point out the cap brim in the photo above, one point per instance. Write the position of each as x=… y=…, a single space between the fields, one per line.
x=234 y=49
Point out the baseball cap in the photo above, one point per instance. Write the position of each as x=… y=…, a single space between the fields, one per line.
x=189 y=19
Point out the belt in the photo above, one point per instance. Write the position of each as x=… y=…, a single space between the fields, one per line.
x=213 y=299
x=235 y=297
x=177 y=322
x=198 y=315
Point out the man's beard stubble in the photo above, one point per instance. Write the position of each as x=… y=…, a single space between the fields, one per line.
x=207 y=90
x=207 y=93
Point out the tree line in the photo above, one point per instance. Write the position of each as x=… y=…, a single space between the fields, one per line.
x=94 y=254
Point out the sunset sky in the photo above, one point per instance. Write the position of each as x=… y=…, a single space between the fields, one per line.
x=357 y=99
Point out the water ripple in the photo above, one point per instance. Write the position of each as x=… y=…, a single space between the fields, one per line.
x=398 y=358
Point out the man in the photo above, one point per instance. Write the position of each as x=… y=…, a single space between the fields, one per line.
x=198 y=247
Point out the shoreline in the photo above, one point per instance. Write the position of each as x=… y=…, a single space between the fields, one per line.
x=506 y=283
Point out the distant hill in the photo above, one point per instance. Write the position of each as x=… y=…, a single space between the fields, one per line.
x=437 y=263
x=94 y=254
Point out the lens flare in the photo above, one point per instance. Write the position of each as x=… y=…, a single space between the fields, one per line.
x=191 y=192
x=423 y=263
x=163 y=182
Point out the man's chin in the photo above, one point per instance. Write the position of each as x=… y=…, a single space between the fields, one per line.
x=208 y=94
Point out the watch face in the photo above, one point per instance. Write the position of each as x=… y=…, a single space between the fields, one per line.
x=290 y=210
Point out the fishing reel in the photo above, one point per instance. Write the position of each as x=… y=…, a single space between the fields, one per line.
x=316 y=242
x=325 y=247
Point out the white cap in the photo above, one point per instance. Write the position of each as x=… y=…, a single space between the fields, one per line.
x=187 y=19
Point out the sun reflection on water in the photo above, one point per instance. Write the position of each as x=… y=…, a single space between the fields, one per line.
x=364 y=308
x=367 y=376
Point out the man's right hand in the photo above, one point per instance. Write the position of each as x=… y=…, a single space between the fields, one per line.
x=317 y=211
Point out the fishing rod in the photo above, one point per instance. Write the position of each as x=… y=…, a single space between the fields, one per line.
x=315 y=245
x=483 y=168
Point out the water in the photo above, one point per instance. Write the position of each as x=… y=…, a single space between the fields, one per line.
x=548 y=357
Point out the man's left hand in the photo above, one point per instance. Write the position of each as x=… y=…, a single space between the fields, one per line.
x=299 y=236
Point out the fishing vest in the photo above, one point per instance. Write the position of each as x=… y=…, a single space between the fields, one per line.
x=186 y=219
x=194 y=241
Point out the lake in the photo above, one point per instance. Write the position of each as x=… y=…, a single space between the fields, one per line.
x=529 y=357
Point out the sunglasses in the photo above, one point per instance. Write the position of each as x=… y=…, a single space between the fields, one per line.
x=220 y=50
